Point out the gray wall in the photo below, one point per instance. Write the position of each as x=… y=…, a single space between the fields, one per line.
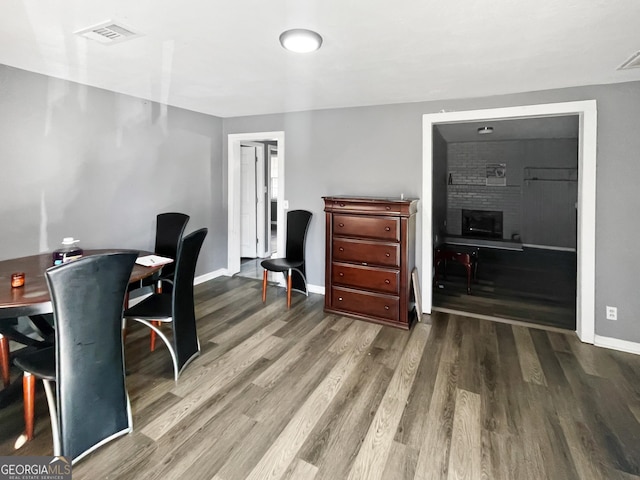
x=92 y=164
x=97 y=165
x=378 y=151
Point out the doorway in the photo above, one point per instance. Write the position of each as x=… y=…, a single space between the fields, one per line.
x=270 y=142
x=587 y=113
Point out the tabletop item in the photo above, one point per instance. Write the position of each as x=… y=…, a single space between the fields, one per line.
x=68 y=252
x=153 y=260
x=17 y=279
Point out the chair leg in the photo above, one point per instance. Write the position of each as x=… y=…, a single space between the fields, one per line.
x=289 y=289
x=53 y=414
x=29 y=394
x=124 y=323
x=265 y=274
x=4 y=360
x=157 y=324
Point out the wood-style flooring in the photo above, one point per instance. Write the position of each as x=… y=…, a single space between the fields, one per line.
x=536 y=286
x=299 y=394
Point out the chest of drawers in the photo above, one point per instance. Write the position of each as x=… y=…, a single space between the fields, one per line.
x=370 y=253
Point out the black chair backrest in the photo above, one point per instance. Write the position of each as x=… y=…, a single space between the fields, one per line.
x=88 y=297
x=169 y=229
x=184 y=317
x=297 y=226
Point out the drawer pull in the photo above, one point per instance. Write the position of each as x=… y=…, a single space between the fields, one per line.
x=387 y=281
x=342 y=204
x=388 y=229
x=340 y=298
x=365 y=264
x=386 y=307
x=387 y=254
x=341 y=249
x=341 y=224
x=341 y=274
x=388 y=207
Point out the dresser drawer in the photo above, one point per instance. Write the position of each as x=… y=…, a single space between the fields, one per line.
x=366 y=253
x=380 y=306
x=363 y=226
x=376 y=279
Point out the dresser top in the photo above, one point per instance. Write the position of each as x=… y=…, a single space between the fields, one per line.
x=356 y=198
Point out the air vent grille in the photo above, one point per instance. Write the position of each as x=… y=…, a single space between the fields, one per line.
x=108 y=33
x=632 y=62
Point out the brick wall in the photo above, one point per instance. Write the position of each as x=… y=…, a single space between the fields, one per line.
x=467 y=165
x=542 y=213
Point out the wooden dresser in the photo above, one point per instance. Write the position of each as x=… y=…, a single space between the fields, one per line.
x=370 y=253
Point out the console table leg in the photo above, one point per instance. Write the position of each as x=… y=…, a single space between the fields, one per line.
x=4 y=360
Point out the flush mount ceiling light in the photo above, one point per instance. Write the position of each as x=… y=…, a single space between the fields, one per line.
x=300 y=40
x=485 y=130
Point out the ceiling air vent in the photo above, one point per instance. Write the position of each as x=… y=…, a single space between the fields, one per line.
x=632 y=62
x=108 y=33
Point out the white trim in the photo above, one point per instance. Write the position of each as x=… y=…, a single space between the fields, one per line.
x=587 y=113
x=221 y=272
x=549 y=247
x=316 y=289
x=617 y=344
x=233 y=193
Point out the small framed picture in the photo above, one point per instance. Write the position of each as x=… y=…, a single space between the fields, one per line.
x=417 y=292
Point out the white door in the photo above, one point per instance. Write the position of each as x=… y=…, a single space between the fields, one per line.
x=248 y=198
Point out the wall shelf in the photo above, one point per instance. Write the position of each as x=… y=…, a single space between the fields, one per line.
x=550 y=174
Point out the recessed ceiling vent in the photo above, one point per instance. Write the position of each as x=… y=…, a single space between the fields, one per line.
x=108 y=33
x=632 y=62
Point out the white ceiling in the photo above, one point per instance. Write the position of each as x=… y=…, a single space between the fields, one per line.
x=223 y=57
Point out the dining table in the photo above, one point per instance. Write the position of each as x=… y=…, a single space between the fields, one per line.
x=32 y=300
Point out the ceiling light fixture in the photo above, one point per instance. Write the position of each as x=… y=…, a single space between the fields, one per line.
x=485 y=130
x=300 y=40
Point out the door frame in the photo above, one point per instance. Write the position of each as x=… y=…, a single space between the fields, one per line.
x=234 y=188
x=587 y=143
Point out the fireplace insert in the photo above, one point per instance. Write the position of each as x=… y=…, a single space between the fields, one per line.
x=482 y=223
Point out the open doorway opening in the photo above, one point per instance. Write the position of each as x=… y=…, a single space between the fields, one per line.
x=505 y=198
x=585 y=247
x=256 y=206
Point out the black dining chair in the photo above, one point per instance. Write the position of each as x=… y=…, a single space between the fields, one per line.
x=292 y=266
x=89 y=404
x=177 y=307
x=169 y=230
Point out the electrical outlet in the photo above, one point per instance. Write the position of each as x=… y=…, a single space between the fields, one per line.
x=612 y=313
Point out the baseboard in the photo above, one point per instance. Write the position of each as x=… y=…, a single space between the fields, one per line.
x=311 y=288
x=617 y=344
x=135 y=300
x=210 y=276
x=549 y=247
x=315 y=289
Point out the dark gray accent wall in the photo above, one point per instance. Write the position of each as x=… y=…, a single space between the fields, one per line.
x=84 y=162
x=541 y=191
x=439 y=201
x=378 y=151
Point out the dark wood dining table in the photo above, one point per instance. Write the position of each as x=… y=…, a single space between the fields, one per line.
x=32 y=299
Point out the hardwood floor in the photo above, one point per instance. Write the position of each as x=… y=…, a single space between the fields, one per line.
x=534 y=286
x=299 y=394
